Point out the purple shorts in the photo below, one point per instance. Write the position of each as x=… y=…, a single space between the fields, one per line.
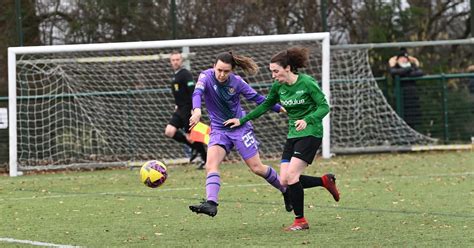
x=242 y=138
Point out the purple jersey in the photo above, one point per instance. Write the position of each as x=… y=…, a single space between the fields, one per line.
x=223 y=99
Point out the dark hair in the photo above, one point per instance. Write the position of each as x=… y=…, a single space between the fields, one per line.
x=246 y=63
x=402 y=53
x=175 y=52
x=295 y=57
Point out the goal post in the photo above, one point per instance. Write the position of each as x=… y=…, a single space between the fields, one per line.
x=12 y=131
x=325 y=78
x=80 y=105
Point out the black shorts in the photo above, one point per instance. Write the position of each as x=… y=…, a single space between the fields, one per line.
x=180 y=119
x=304 y=148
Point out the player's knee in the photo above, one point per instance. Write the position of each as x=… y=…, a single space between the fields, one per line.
x=292 y=178
x=169 y=132
x=253 y=169
x=283 y=182
x=258 y=168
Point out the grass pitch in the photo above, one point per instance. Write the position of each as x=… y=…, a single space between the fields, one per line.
x=388 y=200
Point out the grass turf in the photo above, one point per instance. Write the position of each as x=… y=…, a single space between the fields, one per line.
x=409 y=200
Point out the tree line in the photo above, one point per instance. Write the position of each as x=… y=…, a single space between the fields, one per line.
x=49 y=22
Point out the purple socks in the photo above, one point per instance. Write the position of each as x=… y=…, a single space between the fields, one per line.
x=213 y=185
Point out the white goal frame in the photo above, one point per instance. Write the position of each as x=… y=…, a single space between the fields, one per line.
x=14 y=51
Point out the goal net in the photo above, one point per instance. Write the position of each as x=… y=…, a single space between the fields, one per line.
x=96 y=105
x=361 y=118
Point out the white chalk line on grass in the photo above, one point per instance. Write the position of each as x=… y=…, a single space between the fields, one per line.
x=37 y=243
x=469 y=173
x=123 y=192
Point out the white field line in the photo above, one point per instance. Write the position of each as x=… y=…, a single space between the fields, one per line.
x=124 y=192
x=469 y=173
x=30 y=242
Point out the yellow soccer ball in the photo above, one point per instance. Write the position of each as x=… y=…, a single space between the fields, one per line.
x=153 y=173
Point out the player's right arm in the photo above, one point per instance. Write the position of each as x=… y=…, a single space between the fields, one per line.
x=195 y=117
x=251 y=95
x=197 y=95
x=270 y=101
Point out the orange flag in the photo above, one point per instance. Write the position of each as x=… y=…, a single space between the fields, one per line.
x=200 y=133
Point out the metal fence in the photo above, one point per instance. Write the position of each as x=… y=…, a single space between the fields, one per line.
x=440 y=106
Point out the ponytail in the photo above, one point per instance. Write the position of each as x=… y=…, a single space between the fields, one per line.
x=246 y=63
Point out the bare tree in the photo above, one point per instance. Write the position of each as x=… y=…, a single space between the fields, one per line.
x=350 y=21
x=10 y=36
x=358 y=21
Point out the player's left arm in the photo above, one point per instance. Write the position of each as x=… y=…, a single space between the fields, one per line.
x=319 y=98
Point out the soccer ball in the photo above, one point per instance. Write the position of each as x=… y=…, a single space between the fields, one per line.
x=153 y=173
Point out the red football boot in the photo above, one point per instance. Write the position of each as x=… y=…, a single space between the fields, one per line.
x=329 y=182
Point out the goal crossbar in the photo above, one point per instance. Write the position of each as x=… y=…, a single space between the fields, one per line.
x=170 y=43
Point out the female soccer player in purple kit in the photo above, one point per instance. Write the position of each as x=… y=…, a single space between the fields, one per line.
x=221 y=89
x=306 y=105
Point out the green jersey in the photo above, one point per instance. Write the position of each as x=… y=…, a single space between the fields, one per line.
x=303 y=100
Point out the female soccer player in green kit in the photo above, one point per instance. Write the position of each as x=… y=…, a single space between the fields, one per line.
x=306 y=105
